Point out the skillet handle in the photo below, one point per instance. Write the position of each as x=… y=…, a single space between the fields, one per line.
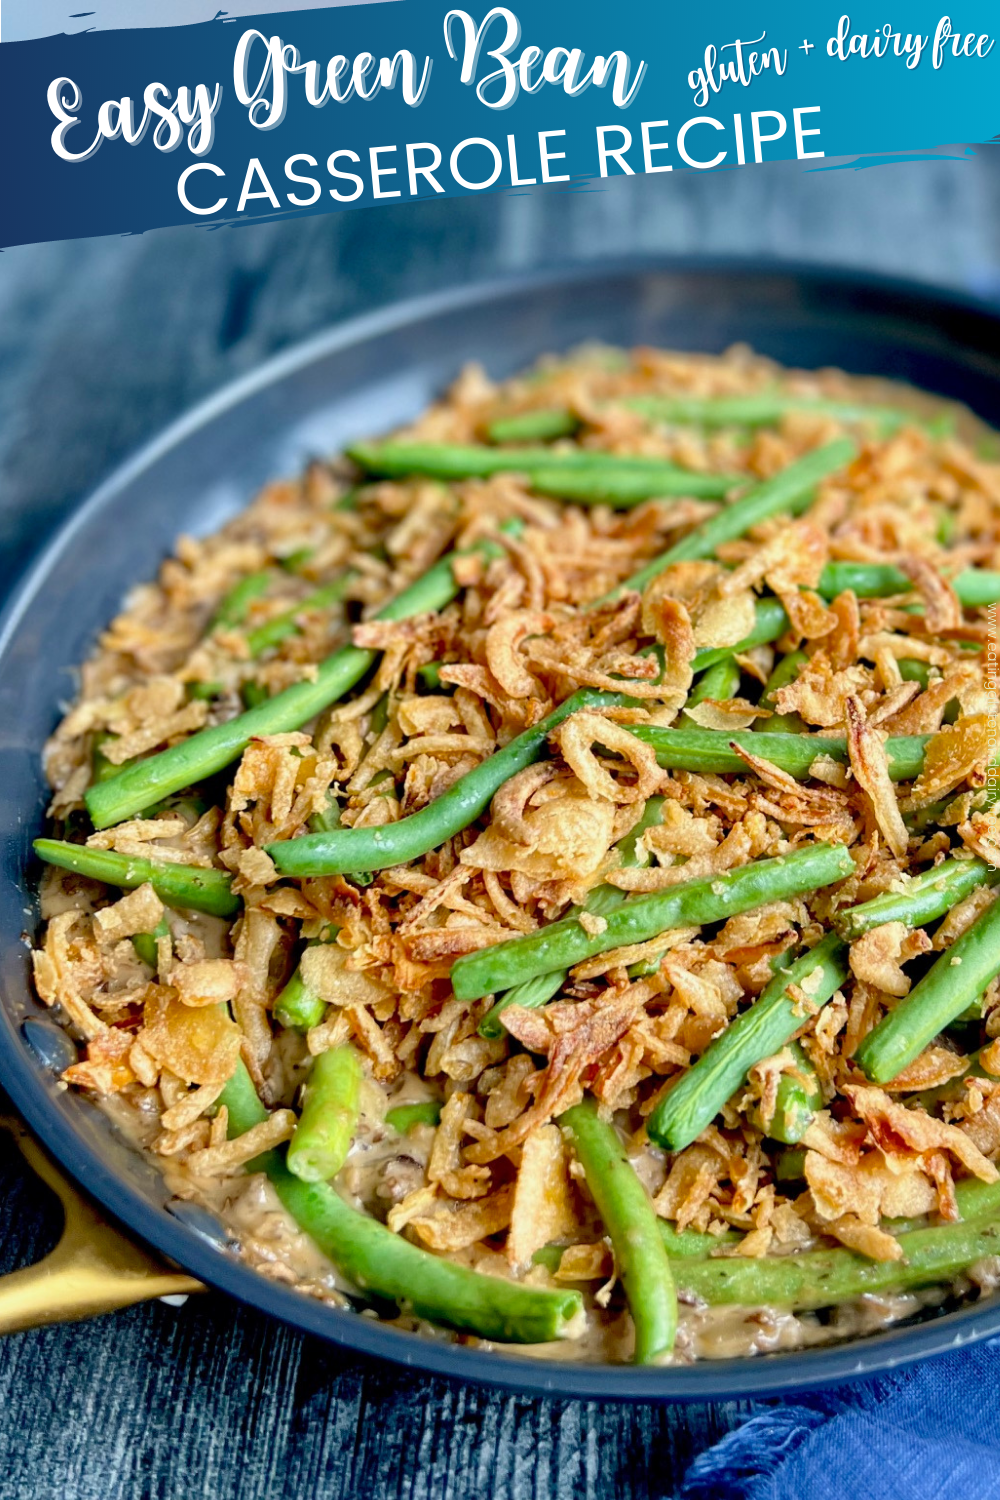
x=93 y=1269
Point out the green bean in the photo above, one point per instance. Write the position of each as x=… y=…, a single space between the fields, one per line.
x=208 y=751
x=531 y=995
x=352 y=849
x=982 y=800
x=645 y=967
x=766 y=409
x=960 y=975
x=233 y=608
x=253 y=694
x=630 y=1220
x=709 y=750
x=758 y=1032
x=921 y=899
x=601 y=902
x=691 y=903
x=537 y=426
x=144 y=943
x=273 y=631
x=243 y=1107
x=298 y=1007
x=912 y=670
x=786 y=670
x=328 y=818
x=683 y=1244
x=718 y=683
x=974 y=587
x=680 y=1244
x=623 y=487
x=404 y=1116
x=454 y=461
x=782 y=492
x=429 y=678
x=377 y=1261
x=328 y=1123
x=328 y=821
x=770 y=621
x=798 y=1097
x=823 y=1278
x=200 y=691
x=186 y=887
x=102 y=769
x=929 y=1099
x=790 y=1166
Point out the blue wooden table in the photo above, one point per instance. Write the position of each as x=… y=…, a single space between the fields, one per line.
x=101 y=343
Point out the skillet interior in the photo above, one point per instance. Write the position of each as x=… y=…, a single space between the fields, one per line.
x=364 y=377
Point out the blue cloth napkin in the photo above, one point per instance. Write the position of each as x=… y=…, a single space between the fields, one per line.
x=925 y=1433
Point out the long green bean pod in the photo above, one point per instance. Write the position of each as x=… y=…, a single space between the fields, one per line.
x=780 y=493
x=770 y=621
x=709 y=750
x=785 y=672
x=297 y=1006
x=362 y=849
x=538 y=426
x=144 y=943
x=451 y=461
x=327 y=818
x=959 y=976
x=273 y=632
x=911 y=670
x=692 y=903
x=186 y=887
x=982 y=800
x=766 y=409
x=975 y=587
x=625 y=487
x=758 y=1032
x=102 y=769
x=921 y=900
x=600 y=902
x=233 y=608
x=798 y=1097
x=329 y=1119
x=384 y=1264
x=631 y=1223
x=680 y=1244
x=139 y=785
x=823 y=1278
x=531 y=995
x=790 y=1166
x=404 y=1116
x=717 y=684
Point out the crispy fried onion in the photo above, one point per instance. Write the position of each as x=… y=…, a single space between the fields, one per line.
x=501 y=647
x=956 y=753
x=878 y=956
x=900 y=1132
x=870 y=765
x=981 y=834
x=942 y=611
x=576 y=738
x=575 y=1038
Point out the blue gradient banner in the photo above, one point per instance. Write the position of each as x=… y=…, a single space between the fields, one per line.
x=311 y=111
